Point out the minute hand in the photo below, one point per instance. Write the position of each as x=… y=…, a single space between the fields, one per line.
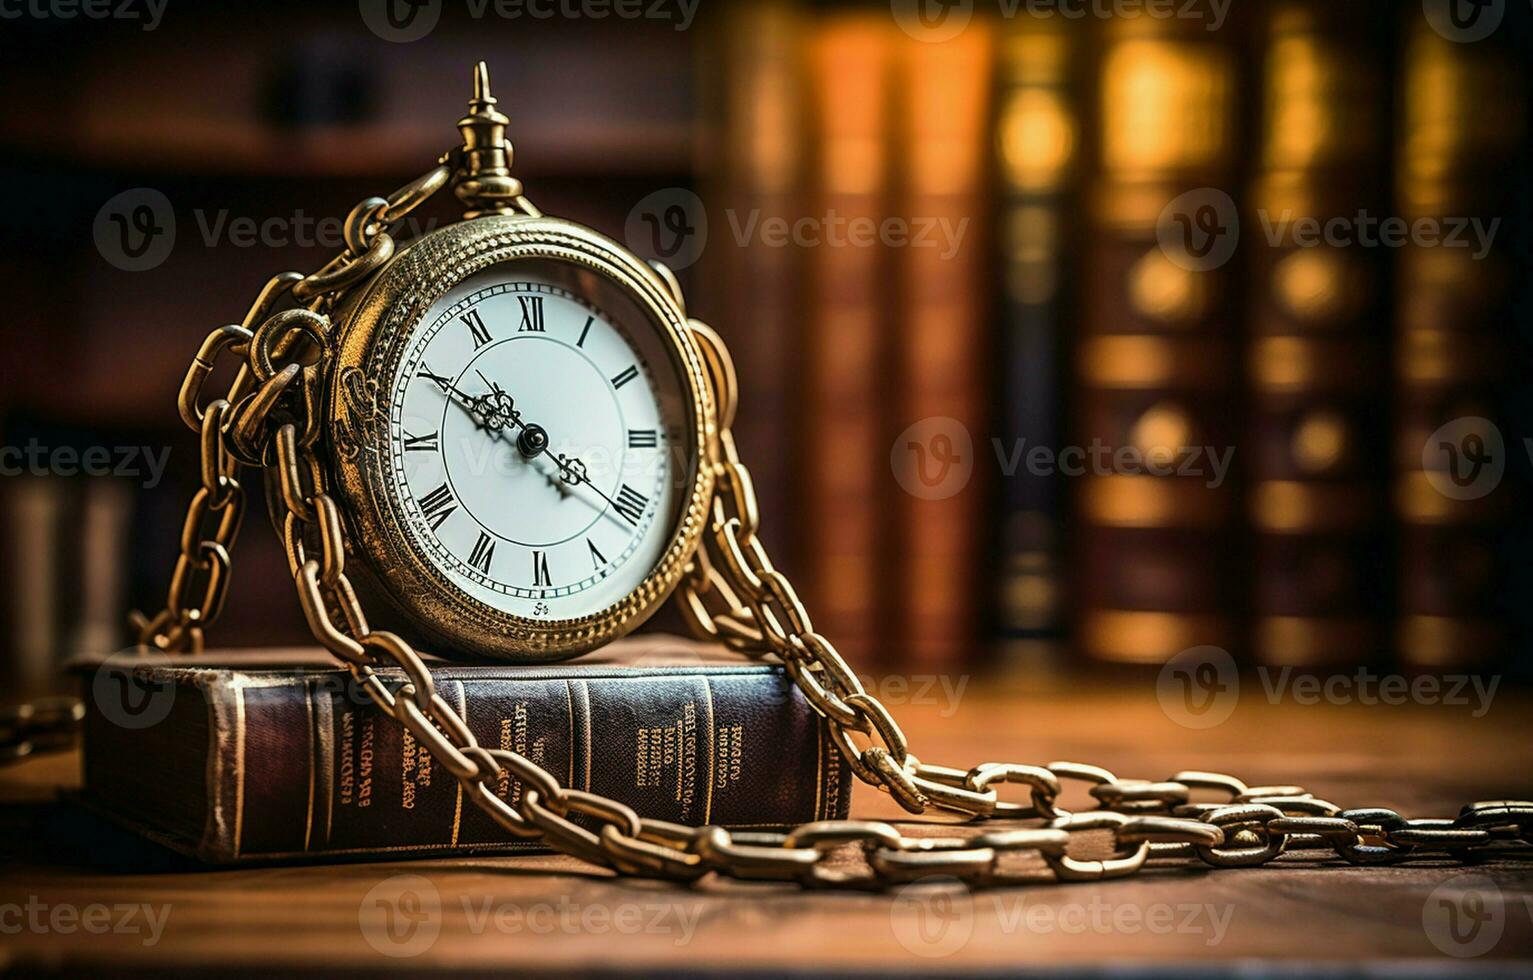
x=571 y=469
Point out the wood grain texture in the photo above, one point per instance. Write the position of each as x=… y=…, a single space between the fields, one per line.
x=544 y=914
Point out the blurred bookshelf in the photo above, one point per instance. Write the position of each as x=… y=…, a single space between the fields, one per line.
x=1055 y=318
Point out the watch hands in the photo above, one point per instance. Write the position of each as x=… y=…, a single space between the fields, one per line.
x=534 y=441
x=491 y=412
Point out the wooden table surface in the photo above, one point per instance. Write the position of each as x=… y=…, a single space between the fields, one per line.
x=59 y=870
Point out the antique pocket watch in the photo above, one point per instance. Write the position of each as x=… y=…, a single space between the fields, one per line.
x=520 y=419
x=513 y=429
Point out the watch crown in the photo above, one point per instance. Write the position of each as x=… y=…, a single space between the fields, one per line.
x=482 y=165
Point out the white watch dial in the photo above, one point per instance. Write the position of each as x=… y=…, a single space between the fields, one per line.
x=532 y=445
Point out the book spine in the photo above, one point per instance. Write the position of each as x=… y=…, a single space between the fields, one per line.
x=306 y=767
x=1462 y=137
x=1155 y=507
x=1316 y=365
x=851 y=68
x=1037 y=149
x=945 y=93
x=755 y=287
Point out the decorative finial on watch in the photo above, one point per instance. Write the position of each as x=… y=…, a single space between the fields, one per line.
x=481 y=176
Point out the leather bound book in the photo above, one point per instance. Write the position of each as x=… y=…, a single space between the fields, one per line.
x=945 y=97
x=1458 y=364
x=1156 y=363
x=845 y=457
x=277 y=756
x=1316 y=367
x=753 y=280
x=1037 y=145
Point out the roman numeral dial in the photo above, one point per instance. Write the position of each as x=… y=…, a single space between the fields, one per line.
x=476 y=328
x=438 y=506
x=535 y=431
x=483 y=553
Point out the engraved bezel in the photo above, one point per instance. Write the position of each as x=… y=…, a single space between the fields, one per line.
x=375 y=330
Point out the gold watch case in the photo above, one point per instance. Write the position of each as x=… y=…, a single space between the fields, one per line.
x=374 y=329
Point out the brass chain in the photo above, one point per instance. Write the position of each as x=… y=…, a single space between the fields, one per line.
x=269 y=418
x=45 y=725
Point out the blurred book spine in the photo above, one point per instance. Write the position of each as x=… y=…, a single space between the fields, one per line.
x=1156 y=365
x=1316 y=363
x=36 y=507
x=847 y=338
x=1461 y=145
x=1037 y=145
x=756 y=283
x=945 y=92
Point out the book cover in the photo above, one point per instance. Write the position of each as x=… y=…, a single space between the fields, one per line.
x=279 y=756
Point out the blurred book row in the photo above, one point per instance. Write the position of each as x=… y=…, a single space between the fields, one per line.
x=1214 y=336
x=1066 y=339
